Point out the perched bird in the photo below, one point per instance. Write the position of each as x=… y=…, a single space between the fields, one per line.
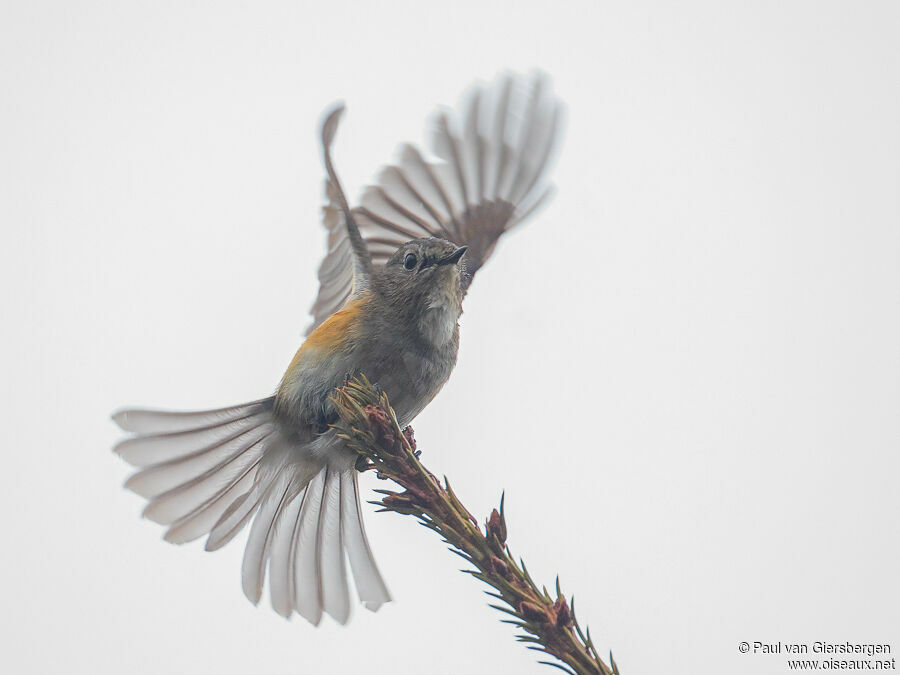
x=392 y=285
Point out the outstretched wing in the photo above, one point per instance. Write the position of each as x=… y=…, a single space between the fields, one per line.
x=488 y=175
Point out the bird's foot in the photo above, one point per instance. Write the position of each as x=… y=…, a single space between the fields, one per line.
x=410 y=437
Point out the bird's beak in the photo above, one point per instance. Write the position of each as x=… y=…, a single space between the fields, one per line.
x=454 y=257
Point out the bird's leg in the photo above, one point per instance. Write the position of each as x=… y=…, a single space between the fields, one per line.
x=410 y=437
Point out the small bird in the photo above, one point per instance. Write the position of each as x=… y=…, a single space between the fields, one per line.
x=391 y=289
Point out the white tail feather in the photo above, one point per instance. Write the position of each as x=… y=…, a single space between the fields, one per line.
x=158 y=448
x=143 y=421
x=257 y=551
x=335 y=597
x=370 y=586
x=281 y=558
x=306 y=563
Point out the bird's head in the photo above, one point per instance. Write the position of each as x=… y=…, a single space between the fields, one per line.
x=424 y=276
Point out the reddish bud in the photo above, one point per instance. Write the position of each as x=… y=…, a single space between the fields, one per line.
x=563 y=613
x=494 y=526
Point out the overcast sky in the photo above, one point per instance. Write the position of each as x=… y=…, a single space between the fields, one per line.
x=684 y=371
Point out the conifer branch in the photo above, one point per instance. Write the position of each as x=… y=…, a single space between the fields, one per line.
x=369 y=426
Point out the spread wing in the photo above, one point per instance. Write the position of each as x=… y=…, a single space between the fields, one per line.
x=487 y=175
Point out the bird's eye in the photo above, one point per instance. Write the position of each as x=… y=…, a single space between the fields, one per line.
x=410 y=261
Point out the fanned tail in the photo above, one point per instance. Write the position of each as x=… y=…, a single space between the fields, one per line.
x=303 y=533
x=212 y=472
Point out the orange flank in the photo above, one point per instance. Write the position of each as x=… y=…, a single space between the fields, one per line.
x=333 y=333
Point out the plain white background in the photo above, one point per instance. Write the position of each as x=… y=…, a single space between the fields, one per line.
x=684 y=371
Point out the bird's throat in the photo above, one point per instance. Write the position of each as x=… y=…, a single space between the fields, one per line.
x=438 y=321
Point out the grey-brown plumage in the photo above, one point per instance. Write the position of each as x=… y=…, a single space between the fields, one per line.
x=392 y=284
x=401 y=329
